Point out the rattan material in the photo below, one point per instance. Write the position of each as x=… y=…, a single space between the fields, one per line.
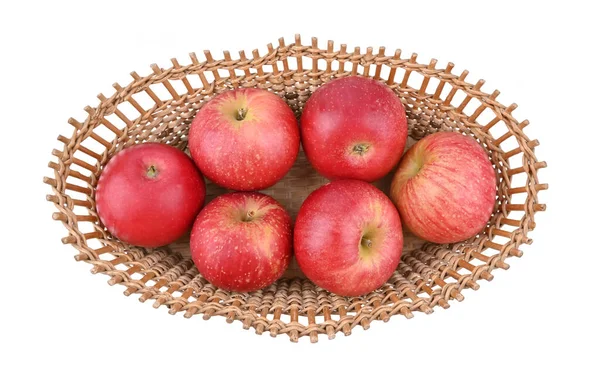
x=160 y=107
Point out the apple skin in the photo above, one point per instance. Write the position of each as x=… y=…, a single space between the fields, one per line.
x=245 y=139
x=242 y=241
x=445 y=188
x=348 y=237
x=149 y=194
x=354 y=127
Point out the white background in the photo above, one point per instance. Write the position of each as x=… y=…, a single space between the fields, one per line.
x=536 y=324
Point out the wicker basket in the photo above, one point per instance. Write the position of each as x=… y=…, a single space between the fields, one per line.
x=159 y=108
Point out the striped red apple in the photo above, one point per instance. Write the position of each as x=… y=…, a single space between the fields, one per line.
x=445 y=188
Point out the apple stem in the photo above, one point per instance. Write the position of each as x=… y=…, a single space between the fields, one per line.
x=151 y=172
x=366 y=242
x=360 y=149
x=241 y=114
x=249 y=216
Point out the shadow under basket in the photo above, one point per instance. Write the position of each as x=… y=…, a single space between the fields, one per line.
x=160 y=107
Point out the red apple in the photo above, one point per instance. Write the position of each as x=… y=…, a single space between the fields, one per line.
x=242 y=241
x=149 y=194
x=445 y=188
x=354 y=127
x=245 y=139
x=348 y=237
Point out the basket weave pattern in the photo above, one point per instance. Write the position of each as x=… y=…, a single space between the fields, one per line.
x=160 y=107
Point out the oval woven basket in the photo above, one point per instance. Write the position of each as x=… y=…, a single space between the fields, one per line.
x=160 y=107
